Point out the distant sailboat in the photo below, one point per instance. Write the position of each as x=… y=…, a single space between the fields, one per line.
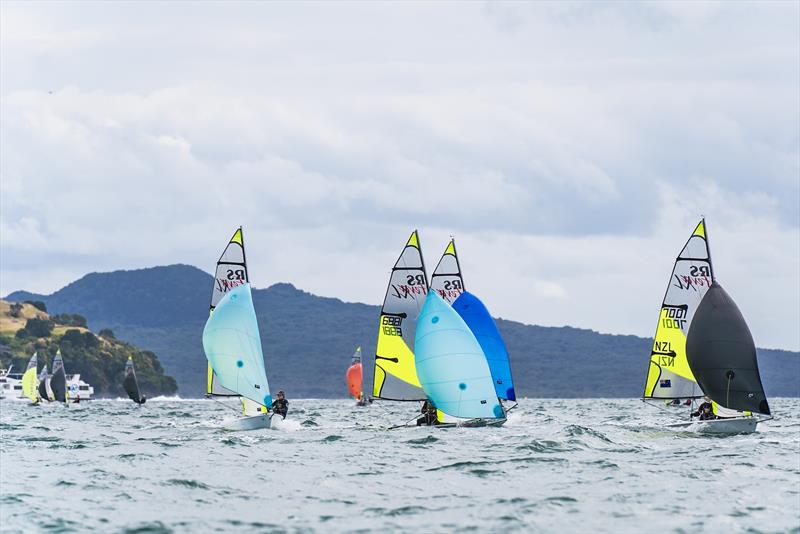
x=354 y=376
x=131 y=385
x=30 y=381
x=232 y=344
x=703 y=347
x=395 y=375
x=448 y=281
x=58 y=381
x=452 y=366
x=44 y=391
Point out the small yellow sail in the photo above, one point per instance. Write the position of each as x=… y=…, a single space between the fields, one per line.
x=30 y=383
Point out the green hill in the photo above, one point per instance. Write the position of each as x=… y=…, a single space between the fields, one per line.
x=308 y=339
x=100 y=359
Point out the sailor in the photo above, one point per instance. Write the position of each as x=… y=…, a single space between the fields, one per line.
x=280 y=405
x=705 y=410
x=142 y=400
x=428 y=416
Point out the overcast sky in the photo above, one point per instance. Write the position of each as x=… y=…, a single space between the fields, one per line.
x=569 y=147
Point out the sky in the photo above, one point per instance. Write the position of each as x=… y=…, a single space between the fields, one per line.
x=570 y=148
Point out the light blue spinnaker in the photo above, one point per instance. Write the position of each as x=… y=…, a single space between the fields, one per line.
x=451 y=365
x=480 y=322
x=232 y=345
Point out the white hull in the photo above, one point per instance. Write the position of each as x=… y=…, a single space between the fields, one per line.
x=249 y=423
x=736 y=425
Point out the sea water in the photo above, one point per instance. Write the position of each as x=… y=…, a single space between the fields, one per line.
x=557 y=466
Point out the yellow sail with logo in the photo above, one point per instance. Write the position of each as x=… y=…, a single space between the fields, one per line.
x=30 y=381
x=395 y=375
x=669 y=375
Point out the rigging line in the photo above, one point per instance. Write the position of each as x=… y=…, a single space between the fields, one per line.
x=225 y=405
x=404 y=424
x=663 y=409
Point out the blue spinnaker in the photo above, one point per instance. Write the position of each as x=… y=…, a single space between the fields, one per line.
x=451 y=365
x=233 y=346
x=480 y=322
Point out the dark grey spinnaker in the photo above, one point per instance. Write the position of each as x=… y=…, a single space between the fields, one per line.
x=722 y=355
x=43 y=384
x=130 y=383
x=58 y=382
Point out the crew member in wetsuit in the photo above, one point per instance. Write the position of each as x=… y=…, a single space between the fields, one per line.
x=428 y=416
x=142 y=400
x=280 y=405
x=705 y=411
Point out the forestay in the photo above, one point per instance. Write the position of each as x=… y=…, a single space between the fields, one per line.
x=451 y=365
x=722 y=354
x=232 y=344
x=446 y=279
x=231 y=272
x=395 y=377
x=480 y=322
x=669 y=375
x=29 y=379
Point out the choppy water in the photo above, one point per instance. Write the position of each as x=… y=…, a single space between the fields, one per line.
x=557 y=466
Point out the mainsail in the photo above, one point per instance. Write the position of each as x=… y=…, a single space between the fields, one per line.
x=130 y=383
x=354 y=376
x=451 y=365
x=29 y=379
x=232 y=344
x=395 y=377
x=480 y=322
x=446 y=278
x=669 y=375
x=722 y=354
x=231 y=272
x=58 y=382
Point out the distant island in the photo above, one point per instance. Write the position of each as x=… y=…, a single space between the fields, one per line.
x=26 y=327
x=308 y=339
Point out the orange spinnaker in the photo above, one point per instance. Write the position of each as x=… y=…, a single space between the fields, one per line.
x=354 y=377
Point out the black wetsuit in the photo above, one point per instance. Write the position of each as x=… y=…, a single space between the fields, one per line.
x=705 y=415
x=428 y=416
x=280 y=407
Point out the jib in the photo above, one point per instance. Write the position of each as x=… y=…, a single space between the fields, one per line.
x=237 y=274
x=699 y=271
x=452 y=284
x=416 y=280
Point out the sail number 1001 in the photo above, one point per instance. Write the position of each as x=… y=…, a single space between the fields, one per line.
x=675 y=318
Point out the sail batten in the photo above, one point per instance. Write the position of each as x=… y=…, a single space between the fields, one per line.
x=395 y=376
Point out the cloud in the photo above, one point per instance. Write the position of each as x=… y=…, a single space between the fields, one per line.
x=569 y=147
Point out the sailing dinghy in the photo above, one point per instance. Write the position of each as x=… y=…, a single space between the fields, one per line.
x=58 y=381
x=232 y=344
x=30 y=380
x=354 y=377
x=395 y=374
x=44 y=391
x=453 y=368
x=703 y=347
x=131 y=385
x=231 y=272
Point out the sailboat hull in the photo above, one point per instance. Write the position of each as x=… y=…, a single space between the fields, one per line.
x=734 y=425
x=249 y=423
